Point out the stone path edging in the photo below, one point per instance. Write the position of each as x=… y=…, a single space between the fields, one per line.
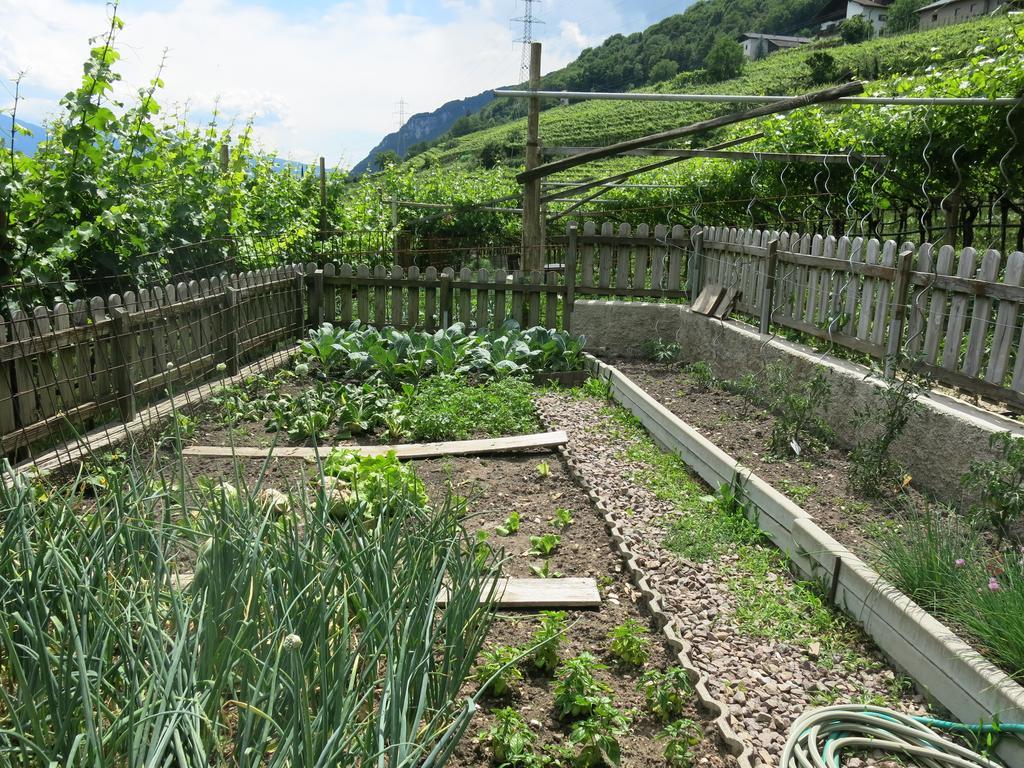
x=718 y=710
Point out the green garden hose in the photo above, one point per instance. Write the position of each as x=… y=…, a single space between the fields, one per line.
x=818 y=737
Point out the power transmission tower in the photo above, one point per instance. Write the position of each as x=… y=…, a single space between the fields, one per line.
x=528 y=19
x=400 y=108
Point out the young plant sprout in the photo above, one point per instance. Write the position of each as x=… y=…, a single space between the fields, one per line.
x=544 y=470
x=562 y=519
x=576 y=688
x=544 y=571
x=666 y=692
x=510 y=526
x=679 y=738
x=547 y=640
x=630 y=643
x=510 y=739
x=496 y=671
x=598 y=736
x=544 y=545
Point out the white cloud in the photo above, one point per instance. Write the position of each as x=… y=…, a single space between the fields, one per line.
x=326 y=80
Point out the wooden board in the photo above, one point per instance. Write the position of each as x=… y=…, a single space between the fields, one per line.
x=544 y=593
x=709 y=299
x=407 y=451
x=510 y=593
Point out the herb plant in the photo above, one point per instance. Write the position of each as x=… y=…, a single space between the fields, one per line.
x=510 y=739
x=597 y=737
x=630 y=643
x=701 y=376
x=680 y=737
x=547 y=640
x=666 y=693
x=798 y=405
x=496 y=672
x=660 y=351
x=544 y=545
x=576 y=689
x=999 y=484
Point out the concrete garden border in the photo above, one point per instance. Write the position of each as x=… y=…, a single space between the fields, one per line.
x=952 y=672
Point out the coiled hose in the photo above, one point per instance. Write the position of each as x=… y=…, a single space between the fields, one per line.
x=818 y=737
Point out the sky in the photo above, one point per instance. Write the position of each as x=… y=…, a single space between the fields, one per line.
x=316 y=77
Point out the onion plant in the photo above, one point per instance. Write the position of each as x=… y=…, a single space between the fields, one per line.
x=303 y=639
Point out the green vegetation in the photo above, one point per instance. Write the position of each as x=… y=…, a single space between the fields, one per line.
x=282 y=616
x=510 y=739
x=799 y=405
x=544 y=545
x=547 y=640
x=510 y=526
x=725 y=60
x=873 y=470
x=660 y=351
x=497 y=671
x=949 y=569
x=680 y=737
x=449 y=408
x=577 y=691
x=667 y=693
x=1000 y=484
x=629 y=643
x=562 y=519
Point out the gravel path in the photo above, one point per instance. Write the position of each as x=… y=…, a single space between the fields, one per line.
x=766 y=683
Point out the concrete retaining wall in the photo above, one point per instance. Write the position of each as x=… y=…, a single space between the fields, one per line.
x=936 y=448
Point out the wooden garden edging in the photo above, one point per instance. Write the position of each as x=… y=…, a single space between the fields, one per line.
x=952 y=671
x=545 y=440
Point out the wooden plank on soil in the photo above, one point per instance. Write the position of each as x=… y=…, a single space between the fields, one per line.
x=577 y=592
x=407 y=451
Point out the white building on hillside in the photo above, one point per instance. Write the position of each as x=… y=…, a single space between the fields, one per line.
x=757 y=45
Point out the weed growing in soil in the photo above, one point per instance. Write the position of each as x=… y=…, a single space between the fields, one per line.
x=666 y=693
x=510 y=526
x=562 y=519
x=595 y=387
x=510 y=739
x=798 y=405
x=798 y=493
x=660 y=351
x=497 y=671
x=1000 y=484
x=873 y=470
x=701 y=376
x=680 y=737
x=576 y=689
x=629 y=643
x=547 y=640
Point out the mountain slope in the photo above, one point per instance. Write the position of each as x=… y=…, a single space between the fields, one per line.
x=422 y=127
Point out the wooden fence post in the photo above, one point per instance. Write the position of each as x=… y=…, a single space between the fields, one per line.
x=231 y=329
x=898 y=298
x=300 y=301
x=695 y=269
x=444 y=312
x=316 y=299
x=570 y=277
x=124 y=349
x=768 y=292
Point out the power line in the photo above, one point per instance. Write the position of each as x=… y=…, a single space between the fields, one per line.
x=528 y=19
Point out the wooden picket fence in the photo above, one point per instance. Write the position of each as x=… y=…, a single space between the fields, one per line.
x=954 y=315
x=65 y=369
x=432 y=299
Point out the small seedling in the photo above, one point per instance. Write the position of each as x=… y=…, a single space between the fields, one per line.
x=598 y=735
x=701 y=377
x=666 y=692
x=482 y=550
x=562 y=519
x=660 y=351
x=510 y=739
x=544 y=545
x=679 y=738
x=510 y=526
x=496 y=671
x=599 y=388
x=544 y=470
x=576 y=689
x=547 y=640
x=630 y=643
x=544 y=571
